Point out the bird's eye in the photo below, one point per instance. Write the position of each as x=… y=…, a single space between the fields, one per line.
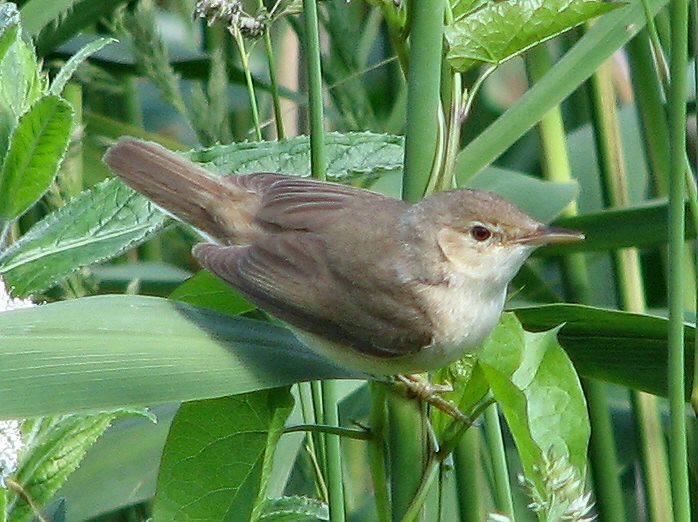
x=480 y=233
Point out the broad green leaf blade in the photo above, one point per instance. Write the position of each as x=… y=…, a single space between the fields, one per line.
x=352 y=155
x=100 y=223
x=207 y=291
x=540 y=395
x=74 y=62
x=642 y=226
x=495 y=31
x=216 y=459
x=54 y=454
x=610 y=345
x=113 y=351
x=607 y=35
x=291 y=509
x=544 y=200
x=37 y=147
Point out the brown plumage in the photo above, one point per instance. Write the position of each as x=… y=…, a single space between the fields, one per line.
x=390 y=287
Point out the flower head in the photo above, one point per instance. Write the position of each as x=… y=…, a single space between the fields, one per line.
x=10 y=446
x=7 y=302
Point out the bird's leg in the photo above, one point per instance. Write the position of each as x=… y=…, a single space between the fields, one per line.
x=426 y=391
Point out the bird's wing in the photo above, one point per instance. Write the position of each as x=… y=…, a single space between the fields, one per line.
x=287 y=275
x=294 y=203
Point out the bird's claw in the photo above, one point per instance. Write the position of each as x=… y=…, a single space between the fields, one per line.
x=428 y=392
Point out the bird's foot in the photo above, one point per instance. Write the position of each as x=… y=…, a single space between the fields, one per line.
x=428 y=392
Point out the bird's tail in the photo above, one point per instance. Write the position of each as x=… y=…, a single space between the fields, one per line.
x=222 y=209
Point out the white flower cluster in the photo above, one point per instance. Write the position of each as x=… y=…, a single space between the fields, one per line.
x=7 y=302
x=10 y=445
x=563 y=498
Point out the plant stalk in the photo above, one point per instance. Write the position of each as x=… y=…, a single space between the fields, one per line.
x=407 y=451
x=318 y=161
x=245 y=61
x=503 y=500
x=468 y=471
x=677 y=140
x=276 y=100
x=423 y=89
x=335 y=484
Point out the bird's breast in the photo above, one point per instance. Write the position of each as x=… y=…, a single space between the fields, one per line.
x=463 y=313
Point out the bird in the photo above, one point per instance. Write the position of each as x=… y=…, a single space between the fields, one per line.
x=372 y=283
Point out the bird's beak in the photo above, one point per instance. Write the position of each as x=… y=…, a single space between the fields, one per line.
x=544 y=235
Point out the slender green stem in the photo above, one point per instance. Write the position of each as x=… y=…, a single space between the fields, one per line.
x=312 y=439
x=406 y=436
x=677 y=379
x=452 y=134
x=603 y=457
x=335 y=484
x=376 y=450
x=472 y=94
x=655 y=465
x=318 y=161
x=276 y=100
x=318 y=164
x=468 y=471
x=245 y=61
x=430 y=473
x=319 y=411
x=502 y=490
x=423 y=88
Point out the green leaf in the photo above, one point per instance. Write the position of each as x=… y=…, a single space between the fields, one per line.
x=610 y=345
x=359 y=156
x=207 y=291
x=54 y=454
x=217 y=456
x=37 y=147
x=496 y=31
x=607 y=35
x=544 y=200
x=113 y=351
x=540 y=395
x=290 y=509
x=100 y=223
x=20 y=84
x=74 y=62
